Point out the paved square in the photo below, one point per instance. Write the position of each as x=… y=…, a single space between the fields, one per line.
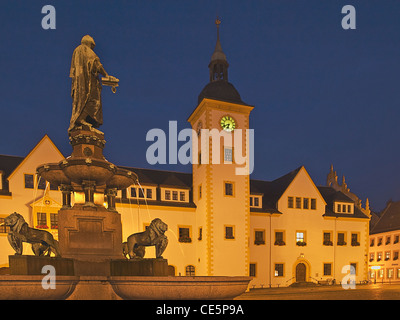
x=361 y=292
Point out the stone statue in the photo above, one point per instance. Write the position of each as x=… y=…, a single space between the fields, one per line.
x=41 y=240
x=86 y=86
x=153 y=236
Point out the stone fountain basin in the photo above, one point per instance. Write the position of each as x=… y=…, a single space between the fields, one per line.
x=179 y=288
x=15 y=287
x=81 y=169
x=122 y=179
x=52 y=173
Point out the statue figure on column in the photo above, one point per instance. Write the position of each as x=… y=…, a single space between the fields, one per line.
x=86 y=85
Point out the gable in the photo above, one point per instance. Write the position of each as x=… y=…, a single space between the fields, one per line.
x=301 y=186
x=44 y=152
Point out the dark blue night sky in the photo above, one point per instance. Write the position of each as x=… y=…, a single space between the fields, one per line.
x=322 y=94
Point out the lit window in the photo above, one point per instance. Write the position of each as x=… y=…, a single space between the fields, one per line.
x=371 y=256
x=387 y=255
x=300 y=238
x=379 y=256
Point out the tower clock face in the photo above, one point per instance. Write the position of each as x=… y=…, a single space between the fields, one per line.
x=227 y=123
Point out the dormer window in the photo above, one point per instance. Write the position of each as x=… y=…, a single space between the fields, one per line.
x=176 y=195
x=146 y=192
x=1 y=180
x=255 y=201
x=344 y=207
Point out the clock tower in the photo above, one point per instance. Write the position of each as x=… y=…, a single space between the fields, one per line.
x=221 y=185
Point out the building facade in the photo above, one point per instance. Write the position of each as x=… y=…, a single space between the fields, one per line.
x=384 y=245
x=220 y=222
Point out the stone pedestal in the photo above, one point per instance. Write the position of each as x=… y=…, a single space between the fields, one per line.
x=32 y=265
x=91 y=236
x=143 y=267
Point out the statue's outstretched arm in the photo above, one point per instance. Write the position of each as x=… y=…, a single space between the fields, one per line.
x=102 y=71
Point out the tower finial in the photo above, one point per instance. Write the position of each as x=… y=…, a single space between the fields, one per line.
x=218 y=65
x=217 y=23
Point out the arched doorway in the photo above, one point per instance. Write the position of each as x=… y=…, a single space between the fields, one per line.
x=301 y=272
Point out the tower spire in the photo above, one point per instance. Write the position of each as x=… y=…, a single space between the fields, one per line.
x=218 y=65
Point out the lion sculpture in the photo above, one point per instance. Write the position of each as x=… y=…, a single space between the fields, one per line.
x=42 y=241
x=153 y=236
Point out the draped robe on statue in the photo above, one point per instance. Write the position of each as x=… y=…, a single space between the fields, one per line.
x=86 y=88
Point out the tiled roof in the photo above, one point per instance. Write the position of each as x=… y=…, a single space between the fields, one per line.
x=272 y=190
x=389 y=218
x=7 y=165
